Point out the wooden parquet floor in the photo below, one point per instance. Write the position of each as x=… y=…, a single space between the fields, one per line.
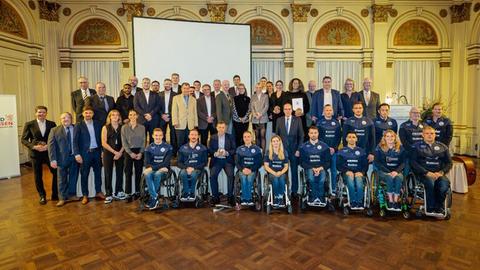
x=117 y=236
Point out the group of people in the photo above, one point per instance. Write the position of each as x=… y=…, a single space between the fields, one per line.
x=318 y=130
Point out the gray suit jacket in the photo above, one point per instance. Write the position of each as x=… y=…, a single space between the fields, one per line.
x=78 y=103
x=370 y=111
x=58 y=146
x=99 y=112
x=259 y=105
x=203 y=113
x=222 y=107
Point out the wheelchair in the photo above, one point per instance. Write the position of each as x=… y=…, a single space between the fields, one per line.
x=379 y=196
x=343 y=197
x=418 y=201
x=268 y=187
x=256 y=192
x=201 y=190
x=306 y=190
x=168 y=198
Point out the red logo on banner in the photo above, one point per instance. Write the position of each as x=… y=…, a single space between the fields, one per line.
x=6 y=121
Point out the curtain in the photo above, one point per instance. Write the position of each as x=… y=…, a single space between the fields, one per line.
x=273 y=70
x=416 y=80
x=339 y=71
x=107 y=72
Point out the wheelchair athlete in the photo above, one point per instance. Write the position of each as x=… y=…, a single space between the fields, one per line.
x=389 y=164
x=192 y=159
x=248 y=162
x=276 y=165
x=157 y=166
x=315 y=160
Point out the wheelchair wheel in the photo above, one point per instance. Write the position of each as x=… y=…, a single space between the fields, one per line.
x=257 y=196
x=144 y=195
x=369 y=212
x=290 y=209
x=330 y=207
x=268 y=209
x=448 y=214
x=374 y=181
x=346 y=211
x=382 y=212
x=406 y=214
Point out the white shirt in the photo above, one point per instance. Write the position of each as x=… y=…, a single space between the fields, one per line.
x=208 y=102
x=43 y=126
x=197 y=94
x=327 y=98
x=85 y=93
x=134 y=90
x=167 y=100
x=216 y=93
x=288 y=123
x=147 y=94
x=366 y=96
x=175 y=88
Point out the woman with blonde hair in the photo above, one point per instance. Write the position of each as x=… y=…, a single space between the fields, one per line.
x=389 y=163
x=276 y=165
x=113 y=155
x=348 y=97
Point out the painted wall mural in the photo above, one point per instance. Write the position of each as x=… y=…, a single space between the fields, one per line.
x=265 y=33
x=96 y=32
x=10 y=21
x=415 y=33
x=338 y=32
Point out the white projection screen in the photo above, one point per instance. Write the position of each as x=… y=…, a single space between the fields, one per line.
x=195 y=50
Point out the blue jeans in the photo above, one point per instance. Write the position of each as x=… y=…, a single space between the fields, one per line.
x=154 y=179
x=317 y=184
x=218 y=166
x=436 y=191
x=247 y=185
x=189 y=181
x=394 y=184
x=278 y=185
x=91 y=160
x=355 y=188
x=333 y=172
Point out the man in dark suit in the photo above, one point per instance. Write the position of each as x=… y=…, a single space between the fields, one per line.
x=133 y=81
x=290 y=129
x=176 y=86
x=207 y=115
x=223 y=105
x=166 y=97
x=147 y=104
x=222 y=149
x=370 y=100
x=125 y=102
x=101 y=103
x=60 y=152
x=35 y=137
x=325 y=96
x=79 y=96
x=196 y=90
x=87 y=149
x=233 y=91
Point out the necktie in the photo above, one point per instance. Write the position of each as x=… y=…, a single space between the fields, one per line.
x=368 y=97
x=105 y=103
x=84 y=94
x=69 y=139
x=288 y=125
x=185 y=98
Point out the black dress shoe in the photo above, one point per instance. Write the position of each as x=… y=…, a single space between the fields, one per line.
x=43 y=200
x=54 y=198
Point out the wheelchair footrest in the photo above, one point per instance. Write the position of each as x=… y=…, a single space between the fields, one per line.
x=187 y=199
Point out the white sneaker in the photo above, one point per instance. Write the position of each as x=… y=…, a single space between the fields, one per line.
x=108 y=200
x=120 y=196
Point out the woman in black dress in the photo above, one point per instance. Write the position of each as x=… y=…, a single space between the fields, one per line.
x=277 y=100
x=296 y=91
x=241 y=113
x=348 y=98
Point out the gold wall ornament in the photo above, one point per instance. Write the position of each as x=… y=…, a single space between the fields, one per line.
x=460 y=13
x=288 y=64
x=150 y=11
x=133 y=9
x=314 y=12
x=476 y=7
x=444 y=64
x=367 y=64
x=48 y=11
x=381 y=12
x=364 y=12
x=232 y=12
x=443 y=13
x=300 y=12
x=203 y=12
x=10 y=21
x=67 y=11
x=31 y=4
x=264 y=33
x=285 y=12
x=217 y=12
x=338 y=32
x=96 y=32
x=415 y=33
x=120 y=12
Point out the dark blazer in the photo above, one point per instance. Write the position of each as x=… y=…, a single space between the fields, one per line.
x=223 y=108
x=230 y=147
x=292 y=140
x=32 y=136
x=152 y=107
x=193 y=95
x=58 y=149
x=203 y=113
x=370 y=111
x=318 y=103
x=81 y=137
x=78 y=103
x=165 y=110
x=100 y=114
x=231 y=92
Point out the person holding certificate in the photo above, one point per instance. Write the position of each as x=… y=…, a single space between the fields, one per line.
x=299 y=100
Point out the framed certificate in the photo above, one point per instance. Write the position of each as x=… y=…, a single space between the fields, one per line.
x=297 y=103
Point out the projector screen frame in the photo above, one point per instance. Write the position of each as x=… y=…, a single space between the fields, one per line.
x=181 y=20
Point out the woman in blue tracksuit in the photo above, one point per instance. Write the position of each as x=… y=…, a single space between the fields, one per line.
x=330 y=132
x=192 y=159
x=315 y=159
x=157 y=165
x=248 y=161
x=389 y=163
x=352 y=164
x=276 y=165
